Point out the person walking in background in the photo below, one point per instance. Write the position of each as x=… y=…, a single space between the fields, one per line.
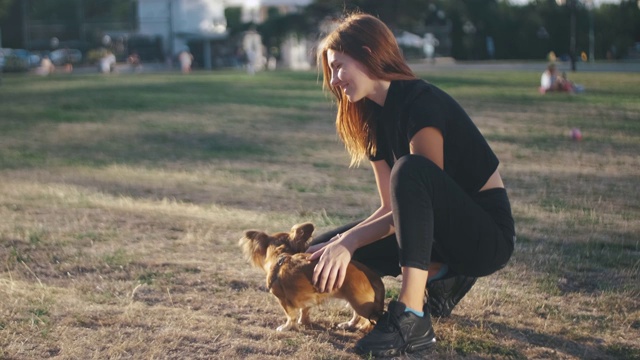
x=185 y=59
x=252 y=45
x=429 y=47
x=444 y=218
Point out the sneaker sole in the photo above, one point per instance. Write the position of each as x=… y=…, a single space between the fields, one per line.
x=421 y=345
x=409 y=348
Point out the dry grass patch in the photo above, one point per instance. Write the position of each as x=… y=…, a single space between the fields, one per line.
x=122 y=200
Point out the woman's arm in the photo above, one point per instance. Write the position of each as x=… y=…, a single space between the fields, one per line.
x=379 y=224
x=335 y=255
x=382 y=174
x=429 y=143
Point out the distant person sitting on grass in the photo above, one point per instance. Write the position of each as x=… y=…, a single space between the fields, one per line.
x=551 y=81
x=134 y=62
x=107 y=63
x=46 y=66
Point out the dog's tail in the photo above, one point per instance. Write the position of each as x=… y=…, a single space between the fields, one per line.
x=254 y=247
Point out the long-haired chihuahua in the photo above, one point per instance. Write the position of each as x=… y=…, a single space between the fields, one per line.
x=289 y=272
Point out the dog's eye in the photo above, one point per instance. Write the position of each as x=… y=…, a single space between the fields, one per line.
x=281 y=260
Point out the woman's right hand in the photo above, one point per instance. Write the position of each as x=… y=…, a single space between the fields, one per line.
x=334 y=258
x=313 y=248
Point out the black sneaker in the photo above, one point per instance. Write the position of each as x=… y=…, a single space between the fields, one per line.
x=397 y=332
x=444 y=294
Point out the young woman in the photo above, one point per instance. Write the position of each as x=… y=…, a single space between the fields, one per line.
x=444 y=216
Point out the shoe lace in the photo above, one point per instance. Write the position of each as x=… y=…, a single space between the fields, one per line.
x=387 y=323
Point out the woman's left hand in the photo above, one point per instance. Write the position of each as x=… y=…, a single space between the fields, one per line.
x=334 y=258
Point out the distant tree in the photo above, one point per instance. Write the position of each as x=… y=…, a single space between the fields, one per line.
x=53 y=12
x=528 y=31
x=108 y=10
x=233 y=15
x=4 y=7
x=399 y=14
x=278 y=26
x=617 y=28
x=69 y=11
x=524 y=32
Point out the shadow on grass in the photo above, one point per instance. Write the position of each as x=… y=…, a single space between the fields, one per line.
x=144 y=148
x=588 y=267
x=554 y=143
x=588 y=347
x=87 y=98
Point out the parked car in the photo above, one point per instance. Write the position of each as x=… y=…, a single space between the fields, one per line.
x=2 y=57
x=17 y=60
x=65 y=56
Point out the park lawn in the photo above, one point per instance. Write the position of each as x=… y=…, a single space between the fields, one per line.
x=122 y=199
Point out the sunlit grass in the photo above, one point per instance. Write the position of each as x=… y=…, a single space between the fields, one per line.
x=122 y=199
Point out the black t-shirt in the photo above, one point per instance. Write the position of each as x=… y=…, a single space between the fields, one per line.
x=412 y=105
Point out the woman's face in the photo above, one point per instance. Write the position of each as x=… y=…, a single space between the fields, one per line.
x=349 y=75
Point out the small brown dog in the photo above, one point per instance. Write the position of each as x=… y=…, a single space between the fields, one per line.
x=289 y=272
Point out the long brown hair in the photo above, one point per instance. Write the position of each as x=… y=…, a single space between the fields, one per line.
x=370 y=42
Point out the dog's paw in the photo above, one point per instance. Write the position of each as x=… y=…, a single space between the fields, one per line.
x=360 y=324
x=344 y=326
x=304 y=318
x=349 y=326
x=286 y=327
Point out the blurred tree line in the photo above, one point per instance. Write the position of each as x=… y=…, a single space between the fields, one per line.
x=527 y=31
x=75 y=23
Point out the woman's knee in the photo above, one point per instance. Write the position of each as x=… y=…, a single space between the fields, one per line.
x=410 y=166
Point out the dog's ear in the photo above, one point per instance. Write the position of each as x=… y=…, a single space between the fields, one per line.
x=254 y=246
x=300 y=235
x=258 y=238
x=252 y=234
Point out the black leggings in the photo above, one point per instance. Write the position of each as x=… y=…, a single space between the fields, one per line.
x=435 y=220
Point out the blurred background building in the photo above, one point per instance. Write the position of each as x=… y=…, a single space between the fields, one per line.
x=218 y=32
x=201 y=27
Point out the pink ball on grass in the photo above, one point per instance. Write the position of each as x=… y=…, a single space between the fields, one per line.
x=576 y=134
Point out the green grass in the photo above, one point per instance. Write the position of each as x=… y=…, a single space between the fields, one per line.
x=122 y=198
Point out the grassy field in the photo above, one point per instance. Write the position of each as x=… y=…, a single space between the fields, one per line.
x=122 y=199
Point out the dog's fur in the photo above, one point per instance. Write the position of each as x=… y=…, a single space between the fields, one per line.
x=289 y=273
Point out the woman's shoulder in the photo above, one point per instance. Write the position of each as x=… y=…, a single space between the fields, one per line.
x=421 y=92
x=408 y=91
x=411 y=84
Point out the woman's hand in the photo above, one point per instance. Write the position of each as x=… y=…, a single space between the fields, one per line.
x=334 y=257
x=314 y=248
